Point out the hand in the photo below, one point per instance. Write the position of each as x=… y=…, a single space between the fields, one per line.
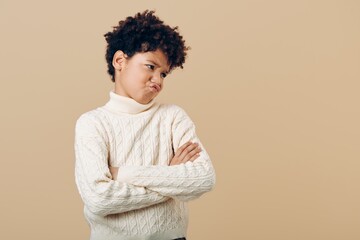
x=114 y=172
x=187 y=152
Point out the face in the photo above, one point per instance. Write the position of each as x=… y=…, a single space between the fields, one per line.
x=140 y=77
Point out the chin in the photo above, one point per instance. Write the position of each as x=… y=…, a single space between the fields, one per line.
x=144 y=101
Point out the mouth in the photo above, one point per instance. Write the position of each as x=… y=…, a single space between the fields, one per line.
x=155 y=88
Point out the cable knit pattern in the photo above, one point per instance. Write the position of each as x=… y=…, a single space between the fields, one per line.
x=148 y=198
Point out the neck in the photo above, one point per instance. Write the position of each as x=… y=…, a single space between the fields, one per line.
x=122 y=104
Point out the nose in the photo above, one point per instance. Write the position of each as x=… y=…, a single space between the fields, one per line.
x=156 y=78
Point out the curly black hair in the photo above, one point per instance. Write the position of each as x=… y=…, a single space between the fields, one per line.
x=142 y=33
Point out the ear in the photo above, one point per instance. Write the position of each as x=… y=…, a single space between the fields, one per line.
x=119 y=60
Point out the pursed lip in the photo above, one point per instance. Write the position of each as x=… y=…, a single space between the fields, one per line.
x=156 y=86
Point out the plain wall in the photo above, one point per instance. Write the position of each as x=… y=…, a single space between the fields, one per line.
x=272 y=86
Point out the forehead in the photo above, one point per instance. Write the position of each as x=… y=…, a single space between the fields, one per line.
x=157 y=56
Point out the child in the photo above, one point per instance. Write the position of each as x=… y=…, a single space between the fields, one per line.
x=138 y=161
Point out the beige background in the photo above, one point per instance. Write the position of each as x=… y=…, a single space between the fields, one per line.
x=272 y=86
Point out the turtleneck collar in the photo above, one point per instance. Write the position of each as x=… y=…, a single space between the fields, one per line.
x=122 y=104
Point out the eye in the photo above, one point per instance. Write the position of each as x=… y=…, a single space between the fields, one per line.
x=163 y=75
x=150 y=66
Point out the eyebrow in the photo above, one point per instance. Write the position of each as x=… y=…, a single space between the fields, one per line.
x=156 y=64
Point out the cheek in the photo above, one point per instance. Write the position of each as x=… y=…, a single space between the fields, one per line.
x=138 y=79
x=143 y=76
x=137 y=75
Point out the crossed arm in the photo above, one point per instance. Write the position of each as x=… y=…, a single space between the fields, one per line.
x=106 y=190
x=189 y=174
x=187 y=152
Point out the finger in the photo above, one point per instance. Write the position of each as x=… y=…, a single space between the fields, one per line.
x=186 y=154
x=192 y=153
x=194 y=157
x=181 y=149
x=188 y=149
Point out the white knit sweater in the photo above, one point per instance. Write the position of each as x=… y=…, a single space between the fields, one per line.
x=148 y=198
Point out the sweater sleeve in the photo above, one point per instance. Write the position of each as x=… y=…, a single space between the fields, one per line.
x=186 y=181
x=99 y=192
